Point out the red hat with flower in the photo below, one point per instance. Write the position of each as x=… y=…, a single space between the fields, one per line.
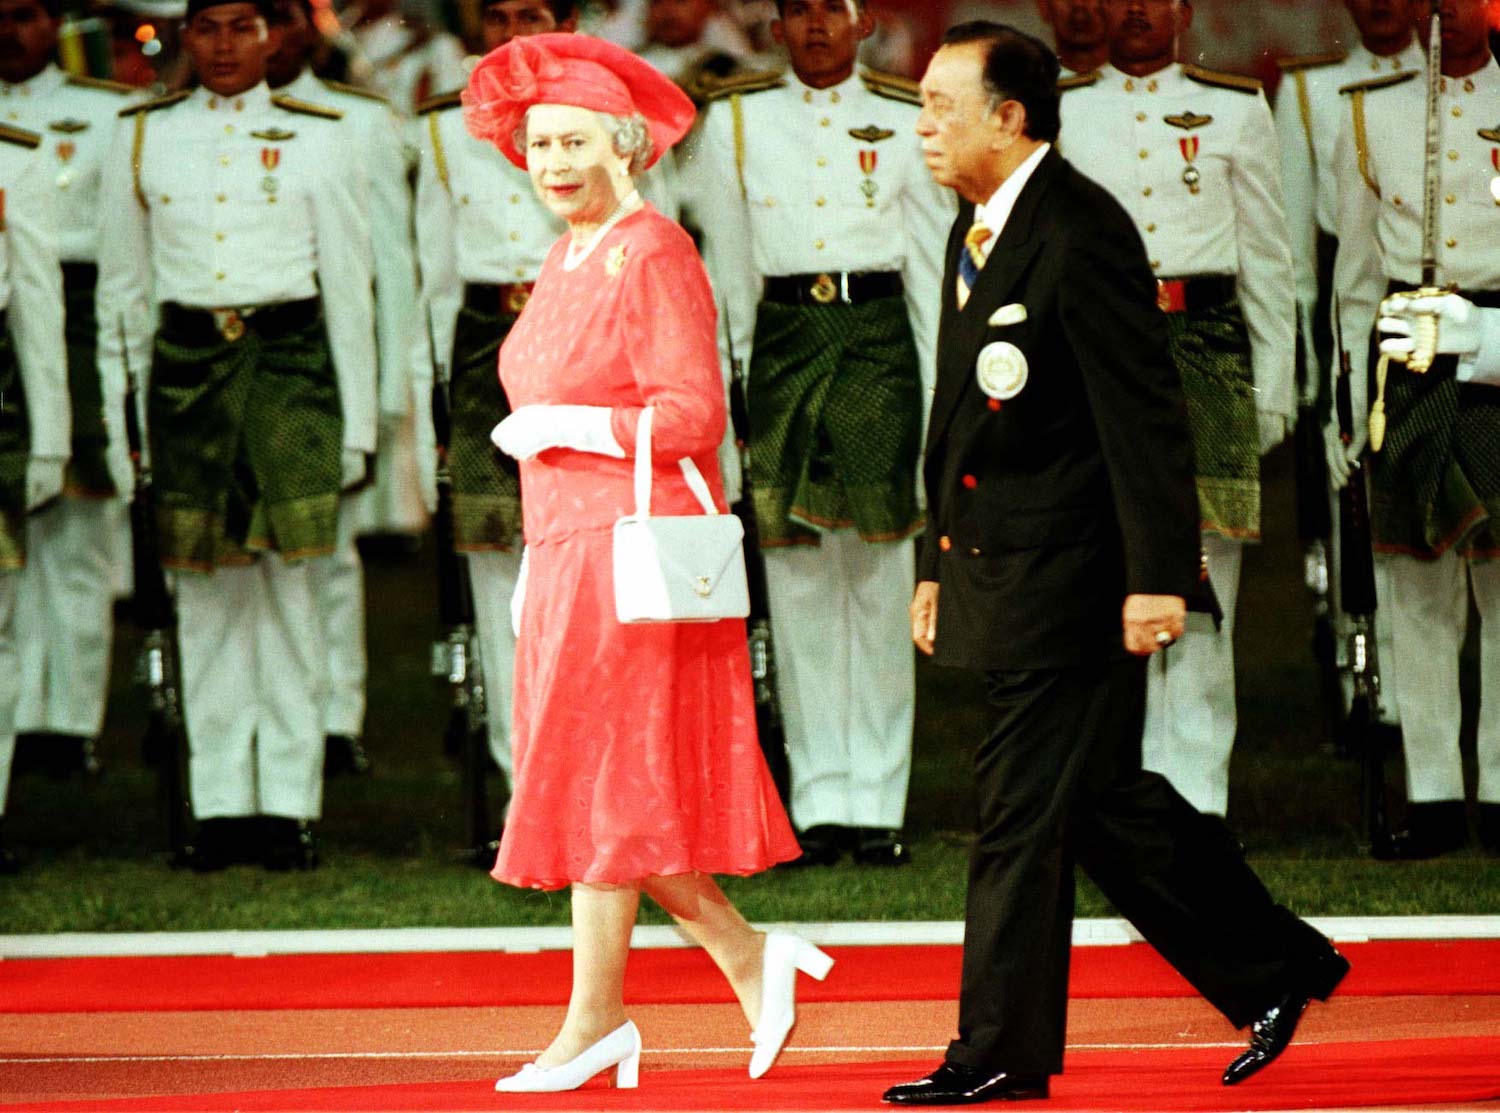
x=573 y=69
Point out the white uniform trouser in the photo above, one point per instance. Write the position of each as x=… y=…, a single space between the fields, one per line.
x=65 y=615
x=9 y=681
x=493 y=577
x=392 y=502
x=846 y=676
x=1190 y=712
x=338 y=587
x=253 y=690
x=1429 y=614
x=1385 y=653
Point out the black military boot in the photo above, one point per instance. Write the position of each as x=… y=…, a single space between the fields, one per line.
x=1431 y=830
x=1489 y=827
x=9 y=863
x=217 y=844
x=289 y=844
x=344 y=754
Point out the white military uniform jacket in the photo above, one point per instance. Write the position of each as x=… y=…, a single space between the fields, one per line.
x=31 y=290
x=1309 y=113
x=1380 y=164
x=1140 y=138
x=796 y=180
x=410 y=62
x=223 y=202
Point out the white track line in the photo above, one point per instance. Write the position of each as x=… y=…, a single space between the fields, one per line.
x=254 y=944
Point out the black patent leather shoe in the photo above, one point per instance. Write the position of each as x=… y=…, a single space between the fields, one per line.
x=344 y=755
x=874 y=846
x=956 y=1084
x=1270 y=1035
x=1432 y=830
x=823 y=844
x=289 y=845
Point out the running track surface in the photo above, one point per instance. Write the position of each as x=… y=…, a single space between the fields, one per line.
x=148 y=1037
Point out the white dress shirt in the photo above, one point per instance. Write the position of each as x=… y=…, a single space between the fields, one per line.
x=994 y=214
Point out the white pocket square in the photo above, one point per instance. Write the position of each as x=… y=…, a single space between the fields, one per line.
x=1012 y=314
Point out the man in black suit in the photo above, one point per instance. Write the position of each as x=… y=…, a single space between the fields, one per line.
x=1062 y=513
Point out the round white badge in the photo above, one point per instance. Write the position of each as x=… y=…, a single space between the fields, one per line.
x=1002 y=370
x=1495 y=189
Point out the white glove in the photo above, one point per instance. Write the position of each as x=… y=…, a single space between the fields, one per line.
x=356 y=469
x=1272 y=430
x=534 y=429
x=1460 y=330
x=518 y=597
x=44 y=480
x=1341 y=457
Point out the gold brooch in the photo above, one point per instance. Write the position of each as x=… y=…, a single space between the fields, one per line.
x=614 y=263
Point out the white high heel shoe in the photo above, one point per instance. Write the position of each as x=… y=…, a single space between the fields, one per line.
x=621 y=1049
x=785 y=955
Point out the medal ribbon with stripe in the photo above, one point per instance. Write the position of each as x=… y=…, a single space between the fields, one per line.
x=270 y=158
x=869 y=187
x=1189 y=147
x=1495 y=181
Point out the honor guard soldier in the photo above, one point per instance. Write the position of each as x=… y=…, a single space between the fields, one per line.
x=1308 y=113
x=1191 y=154
x=1435 y=483
x=1078 y=30
x=823 y=232
x=482 y=235
x=34 y=425
x=338 y=583
x=242 y=214
x=77 y=555
x=403 y=58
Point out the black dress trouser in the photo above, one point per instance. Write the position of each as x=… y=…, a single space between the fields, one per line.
x=1060 y=783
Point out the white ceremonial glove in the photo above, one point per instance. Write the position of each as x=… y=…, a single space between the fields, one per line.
x=44 y=480
x=729 y=468
x=518 y=597
x=1460 y=330
x=1272 y=430
x=534 y=429
x=1341 y=457
x=356 y=469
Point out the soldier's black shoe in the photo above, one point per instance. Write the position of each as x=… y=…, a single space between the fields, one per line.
x=956 y=1084
x=1270 y=1035
x=344 y=754
x=1431 y=830
x=9 y=863
x=876 y=846
x=1489 y=827
x=823 y=844
x=217 y=844
x=289 y=844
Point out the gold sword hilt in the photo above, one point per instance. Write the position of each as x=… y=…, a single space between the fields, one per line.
x=1418 y=360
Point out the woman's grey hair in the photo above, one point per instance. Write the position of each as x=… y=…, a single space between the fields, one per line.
x=628 y=135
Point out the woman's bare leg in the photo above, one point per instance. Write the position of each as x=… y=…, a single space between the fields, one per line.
x=602 y=918
x=702 y=910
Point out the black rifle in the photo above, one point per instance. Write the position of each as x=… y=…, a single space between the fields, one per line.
x=1361 y=737
x=1315 y=519
x=165 y=745
x=455 y=657
x=758 y=625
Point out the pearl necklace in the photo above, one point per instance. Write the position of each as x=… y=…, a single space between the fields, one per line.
x=577 y=255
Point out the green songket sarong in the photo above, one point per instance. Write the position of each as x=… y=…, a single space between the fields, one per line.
x=836 y=421
x=1435 y=483
x=486 y=482
x=88 y=473
x=246 y=439
x=1211 y=350
x=15 y=441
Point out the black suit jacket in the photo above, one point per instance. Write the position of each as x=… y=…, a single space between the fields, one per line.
x=1043 y=515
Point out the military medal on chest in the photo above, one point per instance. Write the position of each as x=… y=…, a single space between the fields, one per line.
x=1189 y=146
x=869 y=158
x=1495 y=162
x=270 y=158
x=66 y=149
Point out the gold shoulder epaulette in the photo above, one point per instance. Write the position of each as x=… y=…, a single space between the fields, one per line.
x=740 y=84
x=1379 y=82
x=891 y=87
x=353 y=90
x=82 y=81
x=1237 y=82
x=441 y=101
x=306 y=108
x=160 y=102
x=19 y=136
x=1310 y=61
x=1077 y=81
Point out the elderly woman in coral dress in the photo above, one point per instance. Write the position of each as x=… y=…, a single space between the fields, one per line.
x=636 y=761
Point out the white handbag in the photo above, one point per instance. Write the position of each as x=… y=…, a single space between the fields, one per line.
x=688 y=568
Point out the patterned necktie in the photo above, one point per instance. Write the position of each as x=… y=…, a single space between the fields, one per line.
x=971 y=260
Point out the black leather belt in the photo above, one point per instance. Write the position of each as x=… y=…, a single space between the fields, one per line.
x=209 y=326
x=1490 y=299
x=1194 y=295
x=80 y=276
x=832 y=288
x=489 y=297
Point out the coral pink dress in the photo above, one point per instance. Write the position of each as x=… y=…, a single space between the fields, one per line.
x=635 y=746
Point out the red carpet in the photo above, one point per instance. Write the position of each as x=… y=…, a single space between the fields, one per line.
x=1317 y=1076
x=481 y=979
